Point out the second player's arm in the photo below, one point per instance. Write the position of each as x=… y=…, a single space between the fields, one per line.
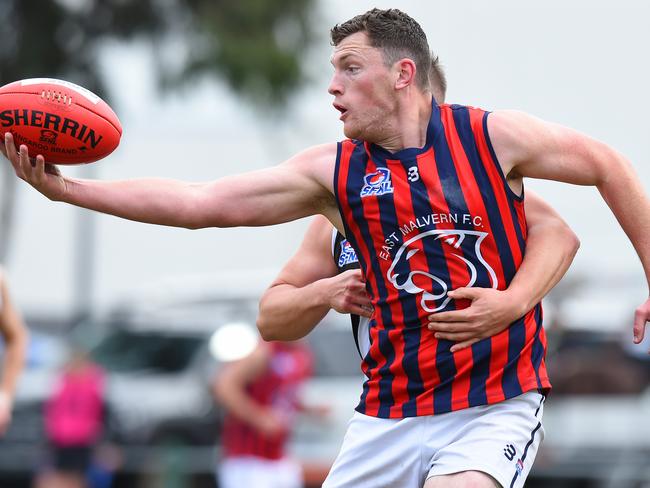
x=307 y=287
x=550 y=248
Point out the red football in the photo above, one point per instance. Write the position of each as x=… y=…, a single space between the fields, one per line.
x=64 y=122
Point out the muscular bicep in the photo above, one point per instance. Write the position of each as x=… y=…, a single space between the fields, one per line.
x=528 y=146
x=297 y=188
x=313 y=260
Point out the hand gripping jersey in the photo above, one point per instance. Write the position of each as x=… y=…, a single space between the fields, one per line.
x=424 y=222
x=345 y=258
x=289 y=367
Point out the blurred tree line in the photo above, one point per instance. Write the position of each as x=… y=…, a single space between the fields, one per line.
x=255 y=46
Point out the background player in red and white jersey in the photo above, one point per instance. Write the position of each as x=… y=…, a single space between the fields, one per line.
x=261 y=395
x=380 y=87
x=14 y=333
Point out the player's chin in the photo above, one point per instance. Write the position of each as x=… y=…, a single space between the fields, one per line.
x=351 y=131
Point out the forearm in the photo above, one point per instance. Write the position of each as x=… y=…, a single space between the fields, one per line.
x=550 y=251
x=631 y=206
x=153 y=201
x=288 y=312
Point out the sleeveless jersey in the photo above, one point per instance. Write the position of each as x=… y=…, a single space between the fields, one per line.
x=345 y=258
x=423 y=222
x=277 y=387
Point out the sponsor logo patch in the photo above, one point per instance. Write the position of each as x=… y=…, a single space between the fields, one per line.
x=377 y=183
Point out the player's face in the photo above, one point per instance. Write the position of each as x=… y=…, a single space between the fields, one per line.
x=362 y=86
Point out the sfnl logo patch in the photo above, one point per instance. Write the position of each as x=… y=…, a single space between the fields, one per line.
x=348 y=254
x=377 y=183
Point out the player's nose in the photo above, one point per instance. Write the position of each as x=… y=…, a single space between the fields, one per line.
x=335 y=87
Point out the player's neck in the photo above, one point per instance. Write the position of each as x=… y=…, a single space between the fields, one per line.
x=408 y=127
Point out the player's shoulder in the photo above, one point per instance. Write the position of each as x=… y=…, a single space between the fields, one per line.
x=316 y=162
x=513 y=126
x=317 y=153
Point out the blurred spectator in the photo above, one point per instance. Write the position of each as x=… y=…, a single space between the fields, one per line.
x=14 y=334
x=260 y=394
x=74 y=416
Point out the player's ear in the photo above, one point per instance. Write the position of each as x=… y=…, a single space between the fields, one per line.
x=406 y=70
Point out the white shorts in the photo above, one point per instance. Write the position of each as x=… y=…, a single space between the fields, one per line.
x=239 y=472
x=500 y=440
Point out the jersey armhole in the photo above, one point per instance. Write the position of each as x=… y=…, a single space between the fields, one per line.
x=488 y=141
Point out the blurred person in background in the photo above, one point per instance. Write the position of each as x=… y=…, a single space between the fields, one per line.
x=14 y=334
x=74 y=419
x=260 y=393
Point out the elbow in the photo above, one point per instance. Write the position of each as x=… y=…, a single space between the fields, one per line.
x=574 y=243
x=266 y=329
x=266 y=323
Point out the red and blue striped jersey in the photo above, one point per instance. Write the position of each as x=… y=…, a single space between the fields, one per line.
x=424 y=222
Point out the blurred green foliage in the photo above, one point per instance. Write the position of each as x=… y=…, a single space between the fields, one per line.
x=255 y=46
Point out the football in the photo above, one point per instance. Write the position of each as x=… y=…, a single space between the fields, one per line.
x=64 y=122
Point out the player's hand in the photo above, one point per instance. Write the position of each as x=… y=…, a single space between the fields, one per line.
x=5 y=412
x=347 y=293
x=641 y=316
x=271 y=423
x=490 y=312
x=43 y=176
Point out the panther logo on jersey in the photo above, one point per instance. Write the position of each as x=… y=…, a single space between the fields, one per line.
x=377 y=183
x=434 y=297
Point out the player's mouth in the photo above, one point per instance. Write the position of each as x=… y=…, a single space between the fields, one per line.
x=342 y=109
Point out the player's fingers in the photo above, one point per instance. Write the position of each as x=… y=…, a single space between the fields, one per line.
x=363 y=299
x=448 y=326
x=355 y=275
x=462 y=345
x=451 y=316
x=357 y=309
x=465 y=292
x=39 y=168
x=10 y=149
x=640 y=319
x=454 y=336
x=24 y=161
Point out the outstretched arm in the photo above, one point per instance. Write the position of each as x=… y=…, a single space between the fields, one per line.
x=14 y=334
x=550 y=248
x=297 y=188
x=527 y=146
x=308 y=286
